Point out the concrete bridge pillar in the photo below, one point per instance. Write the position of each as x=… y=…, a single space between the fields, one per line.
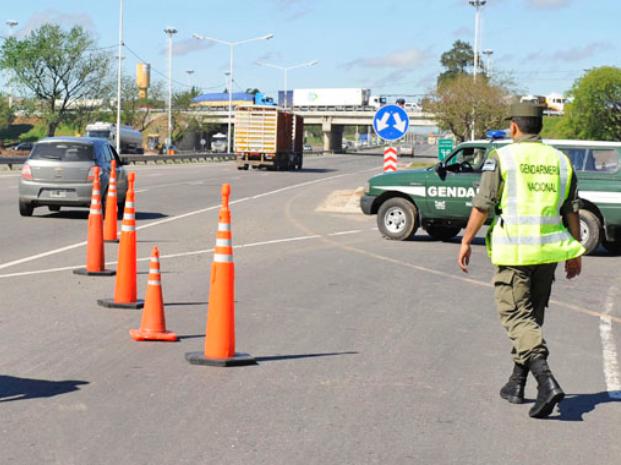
x=326 y=129
x=336 y=142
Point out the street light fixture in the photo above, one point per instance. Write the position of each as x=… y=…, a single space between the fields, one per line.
x=11 y=23
x=189 y=72
x=230 y=86
x=477 y=4
x=170 y=31
x=285 y=70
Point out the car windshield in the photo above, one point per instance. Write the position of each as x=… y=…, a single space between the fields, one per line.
x=67 y=151
x=101 y=134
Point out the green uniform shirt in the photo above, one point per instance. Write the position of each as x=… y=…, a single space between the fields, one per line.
x=490 y=188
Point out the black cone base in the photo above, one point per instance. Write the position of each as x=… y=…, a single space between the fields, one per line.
x=110 y=303
x=85 y=272
x=240 y=359
x=112 y=240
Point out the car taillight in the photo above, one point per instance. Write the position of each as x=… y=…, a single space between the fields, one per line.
x=91 y=174
x=26 y=173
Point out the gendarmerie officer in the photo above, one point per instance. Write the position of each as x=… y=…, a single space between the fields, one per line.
x=532 y=189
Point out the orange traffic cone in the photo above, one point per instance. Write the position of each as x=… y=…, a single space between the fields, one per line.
x=153 y=324
x=110 y=229
x=95 y=260
x=220 y=333
x=125 y=288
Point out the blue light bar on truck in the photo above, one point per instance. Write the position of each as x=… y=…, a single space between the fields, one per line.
x=496 y=134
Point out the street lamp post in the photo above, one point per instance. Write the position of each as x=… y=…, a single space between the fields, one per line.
x=285 y=70
x=230 y=86
x=11 y=23
x=488 y=52
x=477 y=4
x=170 y=31
x=189 y=72
x=118 y=79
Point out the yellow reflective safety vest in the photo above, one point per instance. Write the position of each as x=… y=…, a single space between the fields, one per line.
x=536 y=180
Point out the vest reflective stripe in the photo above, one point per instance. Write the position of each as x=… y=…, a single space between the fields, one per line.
x=529 y=231
x=522 y=219
x=533 y=240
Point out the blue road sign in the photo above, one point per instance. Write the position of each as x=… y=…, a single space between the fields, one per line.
x=391 y=122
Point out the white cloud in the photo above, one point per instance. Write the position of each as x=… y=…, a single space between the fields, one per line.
x=185 y=46
x=548 y=3
x=50 y=16
x=398 y=60
x=572 y=54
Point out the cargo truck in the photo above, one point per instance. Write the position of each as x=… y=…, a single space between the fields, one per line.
x=267 y=136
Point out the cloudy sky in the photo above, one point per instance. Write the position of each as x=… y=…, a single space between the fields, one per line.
x=391 y=46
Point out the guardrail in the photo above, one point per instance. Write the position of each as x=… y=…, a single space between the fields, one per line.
x=10 y=161
x=178 y=158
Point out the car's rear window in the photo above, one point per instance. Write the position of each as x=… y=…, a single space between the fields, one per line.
x=67 y=151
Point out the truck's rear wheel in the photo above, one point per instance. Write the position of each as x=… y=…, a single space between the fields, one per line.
x=397 y=219
x=442 y=233
x=590 y=230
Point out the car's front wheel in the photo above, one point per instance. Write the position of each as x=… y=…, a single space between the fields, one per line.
x=25 y=208
x=590 y=230
x=397 y=219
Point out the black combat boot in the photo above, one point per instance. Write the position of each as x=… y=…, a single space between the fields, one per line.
x=513 y=391
x=549 y=393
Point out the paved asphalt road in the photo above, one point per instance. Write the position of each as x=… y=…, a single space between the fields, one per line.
x=371 y=351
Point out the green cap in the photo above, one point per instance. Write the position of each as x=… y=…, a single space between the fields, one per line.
x=525 y=109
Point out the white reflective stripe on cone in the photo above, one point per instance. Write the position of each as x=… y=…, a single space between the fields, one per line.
x=125 y=228
x=224 y=227
x=155 y=260
x=222 y=258
x=96 y=192
x=95 y=212
x=154 y=270
x=154 y=283
x=224 y=243
x=129 y=204
x=129 y=216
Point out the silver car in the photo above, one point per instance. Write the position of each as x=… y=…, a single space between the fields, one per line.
x=59 y=172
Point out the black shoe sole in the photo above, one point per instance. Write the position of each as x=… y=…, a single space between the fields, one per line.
x=548 y=406
x=512 y=399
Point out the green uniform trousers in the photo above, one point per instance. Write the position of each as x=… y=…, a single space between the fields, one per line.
x=522 y=294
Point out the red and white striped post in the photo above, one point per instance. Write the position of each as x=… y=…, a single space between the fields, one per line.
x=390 y=159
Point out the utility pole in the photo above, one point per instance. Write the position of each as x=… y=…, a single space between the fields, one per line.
x=477 y=4
x=118 y=79
x=11 y=23
x=170 y=31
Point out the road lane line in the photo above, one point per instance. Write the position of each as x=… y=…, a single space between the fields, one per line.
x=178 y=217
x=174 y=255
x=609 y=348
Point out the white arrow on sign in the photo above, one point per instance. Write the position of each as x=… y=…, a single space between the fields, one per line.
x=400 y=124
x=382 y=123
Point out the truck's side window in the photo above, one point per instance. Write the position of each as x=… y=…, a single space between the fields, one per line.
x=471 y=158
x=606 y=160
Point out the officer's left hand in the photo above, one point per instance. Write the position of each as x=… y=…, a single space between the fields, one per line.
x=463 y=259
x=573 y=267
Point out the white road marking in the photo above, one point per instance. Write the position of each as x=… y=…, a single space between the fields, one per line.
x=138 y=191
x=609 y=348
x=178 y=217
x=344 y=233
x=180 y=254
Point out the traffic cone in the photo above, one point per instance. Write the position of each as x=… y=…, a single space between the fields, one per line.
x=95 y=260
x=110 y=227
x=125 y=288
x=220 y=333
x=153 y=323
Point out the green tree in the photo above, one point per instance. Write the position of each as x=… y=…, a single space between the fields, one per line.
x=6 y=113
x=457 y=61
x=458 y=102
x=58 y=67
x=183 y=99
x=595 y=112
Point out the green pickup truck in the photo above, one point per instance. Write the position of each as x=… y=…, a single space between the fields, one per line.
x=439 y=199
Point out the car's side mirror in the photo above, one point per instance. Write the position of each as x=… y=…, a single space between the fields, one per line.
x=441 y=170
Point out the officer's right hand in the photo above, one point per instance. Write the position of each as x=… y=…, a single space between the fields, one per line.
x=463 y=259
x=573 y=267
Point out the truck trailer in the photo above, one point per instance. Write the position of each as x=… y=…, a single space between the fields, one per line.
x=348 y=98
x=267 y=136
x=131 y=139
